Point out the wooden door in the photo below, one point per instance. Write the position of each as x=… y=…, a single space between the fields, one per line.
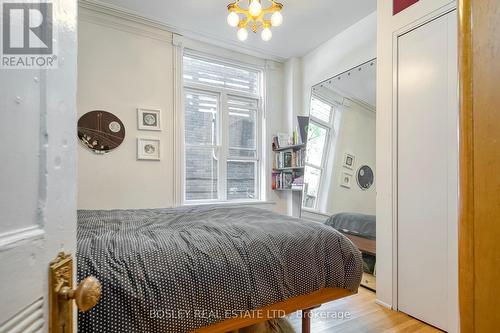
x=479 y=229
x=37 y=170
x=427 y=168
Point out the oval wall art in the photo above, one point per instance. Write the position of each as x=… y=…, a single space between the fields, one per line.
x=100 y=131
x=365 y=177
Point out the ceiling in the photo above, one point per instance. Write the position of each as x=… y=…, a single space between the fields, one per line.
x=306 y=24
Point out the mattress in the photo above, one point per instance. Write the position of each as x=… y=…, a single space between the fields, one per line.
x=361 y=225
x=176 y=270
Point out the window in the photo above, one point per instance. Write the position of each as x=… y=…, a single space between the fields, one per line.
x=222 y=129
x=320 y=124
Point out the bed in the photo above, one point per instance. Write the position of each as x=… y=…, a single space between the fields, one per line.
x=359 y=228
x=208 y=268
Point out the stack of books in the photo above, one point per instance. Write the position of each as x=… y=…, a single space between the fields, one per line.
x=282 y=180
x=298 y=183
x=289 y=159
x=284 y=140
x=287 y=181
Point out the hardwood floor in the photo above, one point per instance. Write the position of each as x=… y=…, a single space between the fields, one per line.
x=360 y=315
x=369 y=281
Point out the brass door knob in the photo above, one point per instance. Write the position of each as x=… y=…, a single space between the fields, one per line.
x=87 y=294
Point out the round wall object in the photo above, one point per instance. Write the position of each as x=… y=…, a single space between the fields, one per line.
x=365 y=177
x=100 y=131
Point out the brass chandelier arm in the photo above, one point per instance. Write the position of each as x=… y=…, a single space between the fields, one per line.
x=255 y=17
x=254 y=25
x=258 y=21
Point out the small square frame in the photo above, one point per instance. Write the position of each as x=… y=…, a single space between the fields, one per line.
x=149 y=119
x=349 y=161
x=148 y=149
x=346 y=180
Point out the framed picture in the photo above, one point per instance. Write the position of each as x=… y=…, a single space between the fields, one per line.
x=149 y=119
x=346 y=180
x=148 y=149
x=349 y=161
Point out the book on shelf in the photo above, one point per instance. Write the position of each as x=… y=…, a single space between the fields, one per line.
x=289 y=159
x=282 y=140
x=303 y=122
x=298 y=183
x=287 y=180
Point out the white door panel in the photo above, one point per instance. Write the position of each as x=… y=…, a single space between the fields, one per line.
x=37 y=177
x=427 y=169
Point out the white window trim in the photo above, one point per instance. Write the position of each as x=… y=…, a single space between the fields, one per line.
x=179 y=165
x=330 y=126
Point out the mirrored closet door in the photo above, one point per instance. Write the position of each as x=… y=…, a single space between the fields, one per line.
x=339 y=181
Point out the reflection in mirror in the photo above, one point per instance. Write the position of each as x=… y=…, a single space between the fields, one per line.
x=340 y=160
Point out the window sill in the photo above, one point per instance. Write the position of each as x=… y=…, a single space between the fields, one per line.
x=231 y=203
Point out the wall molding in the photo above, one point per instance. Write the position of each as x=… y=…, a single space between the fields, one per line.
x=178 y=173
x=29 y=320
x=97 y=12
x=13 y=238
x=104 y=15
x=385 y=305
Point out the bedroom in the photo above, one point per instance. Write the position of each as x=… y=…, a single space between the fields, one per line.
x=210 y=178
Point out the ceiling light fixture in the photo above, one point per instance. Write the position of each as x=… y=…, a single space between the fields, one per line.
x=255 y=17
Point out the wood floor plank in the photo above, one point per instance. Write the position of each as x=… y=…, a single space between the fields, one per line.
x=365 y=316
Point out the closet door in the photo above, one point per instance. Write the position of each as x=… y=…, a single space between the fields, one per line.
x=427 y=129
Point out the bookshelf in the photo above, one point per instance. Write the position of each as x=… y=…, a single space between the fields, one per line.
x=294 y=147
x=288 y=163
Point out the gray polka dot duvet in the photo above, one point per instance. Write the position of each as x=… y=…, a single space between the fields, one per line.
x=176 y=270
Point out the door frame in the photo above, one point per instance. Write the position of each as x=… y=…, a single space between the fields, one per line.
x=396 y=35
x=466 y=201
x=479 y=230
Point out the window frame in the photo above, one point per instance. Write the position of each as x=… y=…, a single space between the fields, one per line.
x=329 y=126
x=222 y=147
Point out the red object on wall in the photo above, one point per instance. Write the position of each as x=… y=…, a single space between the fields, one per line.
x=400 y=5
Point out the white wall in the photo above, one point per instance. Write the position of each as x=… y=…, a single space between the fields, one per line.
x=125 y=64
x=120 y=70
x=354 y=46
x=386 y=27
x=356 y=135
x=276 y=122
x=292 y=107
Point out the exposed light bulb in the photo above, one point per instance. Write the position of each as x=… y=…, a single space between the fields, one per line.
x=276 y=19
x=255 y=8
x=267 y=34
x=233 y=19
x=242 y=34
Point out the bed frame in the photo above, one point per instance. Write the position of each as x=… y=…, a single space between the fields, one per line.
x=305 y=303
x=363 y=244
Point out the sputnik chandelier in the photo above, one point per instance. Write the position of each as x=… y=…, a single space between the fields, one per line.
x=255 y=17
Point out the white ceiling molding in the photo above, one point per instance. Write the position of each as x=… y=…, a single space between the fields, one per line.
x=112 y=19
x=124 y=19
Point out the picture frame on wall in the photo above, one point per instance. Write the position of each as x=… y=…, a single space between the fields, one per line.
x=148 y=149
x=349 y=161
x=149 y=119
x=346 y=180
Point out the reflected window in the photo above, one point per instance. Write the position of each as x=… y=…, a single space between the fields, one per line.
x=320 y=127
x=321 y=110
x=316 y=144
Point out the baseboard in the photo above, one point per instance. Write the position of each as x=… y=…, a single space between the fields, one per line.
x=385 y=305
